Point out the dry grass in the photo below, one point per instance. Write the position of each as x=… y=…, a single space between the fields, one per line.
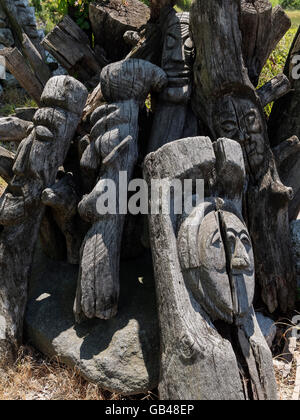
x=2 y=186
x=35 y=378
x=286 y=364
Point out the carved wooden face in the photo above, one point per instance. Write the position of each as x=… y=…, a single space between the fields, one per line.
x=222 y=280
x=35 y=160
x=177 y=51
x=240 y=119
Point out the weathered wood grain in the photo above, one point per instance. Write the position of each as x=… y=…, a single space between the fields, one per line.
x=111 y=19
x=14 y=129
x=71 y=48
x=227 y=103
x=199 y=299
x=274 y=89
x=39 y=67
x=18 y=67
x=21 y=210
x=113 y=150
x=262 y=28
x=173 y=118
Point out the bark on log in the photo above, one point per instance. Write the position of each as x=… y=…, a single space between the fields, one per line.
x=199 y=360
x=274 y=89
x=114 y=150
x=14 y=129
x=262 y=28
x=39 y=67
x=18 y=67
x=111 y=19
x=71 y=48
x=226 y=99
x=38 y=158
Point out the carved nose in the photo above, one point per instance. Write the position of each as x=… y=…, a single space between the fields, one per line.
x=240 y=259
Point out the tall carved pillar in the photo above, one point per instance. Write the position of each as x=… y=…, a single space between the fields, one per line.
x=21 y=209
x=227 y=103
x=211 y=345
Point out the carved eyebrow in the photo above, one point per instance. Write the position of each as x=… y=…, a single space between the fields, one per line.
x=243 y=232
x=214 y=236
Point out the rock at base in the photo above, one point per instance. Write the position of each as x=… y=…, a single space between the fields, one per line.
x=267 y=326
x=120 y=355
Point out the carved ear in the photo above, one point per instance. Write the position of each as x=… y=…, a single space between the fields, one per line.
x=188 y=235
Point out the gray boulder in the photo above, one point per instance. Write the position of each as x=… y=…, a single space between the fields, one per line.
x=120 y=355
x=268 y=327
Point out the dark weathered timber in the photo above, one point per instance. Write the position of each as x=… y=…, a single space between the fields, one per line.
x=229 y=106
x=274 y=89
x=14 y=129
x=204 y=272
x=113 y=149
x=18 y=67
x=71 y=48
x=173 y=118
x=35 y=167
x=262 y=28
x=35 y=59
x=94 y=100
x=147 y=43
x=111 y=19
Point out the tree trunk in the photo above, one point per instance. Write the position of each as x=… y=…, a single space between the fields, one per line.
x=226 y=101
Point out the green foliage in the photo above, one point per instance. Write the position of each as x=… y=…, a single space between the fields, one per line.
x=78 y=9
x=184 y=4
x=47 y=12
x=14 y=98
x=276 y=61
x=290 y=4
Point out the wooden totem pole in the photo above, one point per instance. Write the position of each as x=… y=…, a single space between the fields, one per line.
x=227 y=103
x=21 y=209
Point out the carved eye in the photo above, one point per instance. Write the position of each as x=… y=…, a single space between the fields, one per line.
x=251 y=118
x=216 y=241
x=231 y=240
x=229 y=126
x=245 y=241
x=171 y=42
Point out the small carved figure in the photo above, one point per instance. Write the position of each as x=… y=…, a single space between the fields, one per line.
x=113 y=151
x=173 y=117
